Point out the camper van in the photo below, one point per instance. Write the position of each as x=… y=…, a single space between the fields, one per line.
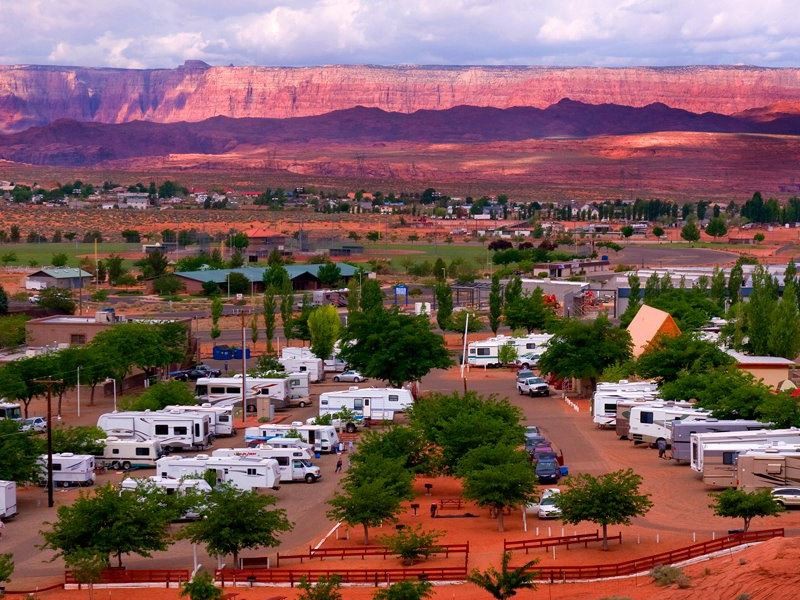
x=367 y=403
x=243 y=473
x=171 y=486
x=760 y=436
x=130 y=454
x=8 y=500
x=221 y=416
x=10 y=410
x=69 y=469
x=604 y=404
x=216 y=389
x=485 y=353
x=293 y=463
x=648 y=422
x=719 y=461
x=322 y=437
x=185 y=431
x=622 y=421
x=306 y=364
x=682 y=433
x=767 y=468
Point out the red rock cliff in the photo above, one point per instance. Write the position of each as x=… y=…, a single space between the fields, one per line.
x=35 y=95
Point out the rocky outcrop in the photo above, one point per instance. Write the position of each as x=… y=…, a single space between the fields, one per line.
x=37 y=95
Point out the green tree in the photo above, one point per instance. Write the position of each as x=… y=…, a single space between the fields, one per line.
x=444 y=304
x=12 y=329
x=238 y=240
x=440 y=269
x=275 y=276
x=634 y=300
x=299 y=325
x=371 y=295
x=690 y=232
x=513 y=291
x=390 y=345
x=495 y=304
x=160 y=395
x=326 y=588
x=287 y=308
x=167 y=285
x=626 y=231
x=270 y=306
x=405 y=590
x=716 y=227
x=20 y=452
x=201 y=587
x=507 y=354
x=505 y=583
x=739 y=504
x=6 y=567
x=784 y=333
x=153 y=265
x=668 y=357
x=353 y=296
x=760 y=311
x=115 y=268
x=216 y=313
x=238 y=283
x=758 y=238
x=782 y=410
x=658 y=231
x=79 y=439
x=329 y=274
x=59 y=260
x=233 y=520
x=497 y=477
x=324 y=326
x=149 y=347
x=529 y=312
x=87 y=567
x=412 y=544
x=609 y=499
x=57 y=299
x=3 y=301
x=458 y=322
x=735 y=282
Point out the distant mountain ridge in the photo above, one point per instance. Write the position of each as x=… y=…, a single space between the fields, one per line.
x=70 y=142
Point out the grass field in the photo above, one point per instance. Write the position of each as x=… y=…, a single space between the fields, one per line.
x=398 y=253
x=42 y=254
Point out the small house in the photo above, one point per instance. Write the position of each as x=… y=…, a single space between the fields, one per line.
x=70 y=278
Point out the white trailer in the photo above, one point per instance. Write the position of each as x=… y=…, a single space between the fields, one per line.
x=623 y=385
x=649 y=421
x=305 y=364
x=8 y=500
x=719 y=461
x=127 y=453
x=217 y=389
x=367 y=403
x=243 y=473
x=485 y=353
x=767 y=468
x=10 y=410
x=293 y=463
x=682 y=431
x=761 y=436
x=221 y=416
x=284 y=442
x=322 y=437
x=69 y=469
x=332 y=364
x=171 y=486
x=604 y=403
x=174 y=431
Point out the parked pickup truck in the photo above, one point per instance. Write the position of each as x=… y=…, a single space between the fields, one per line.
x=195 y=373
x=533 y=386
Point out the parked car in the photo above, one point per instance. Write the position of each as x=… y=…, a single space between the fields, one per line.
x=34 y=299
x=787 y=496
x=195 y=373
x=531 y=429
x=545 y=507
x=528 y=360
x=548 y=471
x=532 y=440
x=350 y=376
x=35 y=424
x=533 y=386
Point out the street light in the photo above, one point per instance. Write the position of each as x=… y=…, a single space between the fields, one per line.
x=114 y=381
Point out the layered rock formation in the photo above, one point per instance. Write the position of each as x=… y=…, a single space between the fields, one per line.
x=37 y=95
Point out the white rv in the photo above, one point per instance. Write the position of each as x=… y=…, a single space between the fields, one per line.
x=681 y=437
x=221 y=416
x=126 y=453
x=174 y=431
x=311 y=365
x=604 y=403
x=284 y=442
x=69 y=469
x=10 y=410
x=767 y=468
x=719 y=461
x=8 y=500
x=367 y=403
x=243 y=473
x=485 y=353
x=170 y=486
x=293 y=463
x=623 y=385
x=762 y=436
x=332 y=364
x=649 y=421
x=217 y=389
x=322 y=437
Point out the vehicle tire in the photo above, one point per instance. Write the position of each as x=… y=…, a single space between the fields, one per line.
x=356 y=380
x=780 y=503
x=126 y=465
x=115 y=465
x=64 y=484
x=301 y=404
x=530 y=393
x=350 y=428
x=521 y=393
x=526 y=366
x=336 y=379
x=310 y=478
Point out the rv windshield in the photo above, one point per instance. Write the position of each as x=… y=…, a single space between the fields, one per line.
x=201 y=390
x=306 y=463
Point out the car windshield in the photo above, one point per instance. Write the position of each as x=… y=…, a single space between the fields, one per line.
x=549 y=501
x=547 y=465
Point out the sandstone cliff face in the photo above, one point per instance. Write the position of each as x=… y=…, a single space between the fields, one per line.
x=37 y=95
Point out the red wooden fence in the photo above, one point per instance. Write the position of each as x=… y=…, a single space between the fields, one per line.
x=369 y=576
x=165 y=576
x=364 y=551
x=549 y=542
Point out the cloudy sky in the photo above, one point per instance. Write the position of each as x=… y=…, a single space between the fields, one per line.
x=164 y=33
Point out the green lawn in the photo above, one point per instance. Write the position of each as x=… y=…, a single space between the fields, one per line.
x=397 y=253
x=42 y=254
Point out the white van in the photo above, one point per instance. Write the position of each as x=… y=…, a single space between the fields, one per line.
x=8 y=500
x=322 y=437
x=130 y=454
x=293 y=463
x=69 y=469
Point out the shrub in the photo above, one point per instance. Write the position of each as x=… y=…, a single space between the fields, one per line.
x=744 y=596
x=412 y=545
x=665 y=575
x=99 y=296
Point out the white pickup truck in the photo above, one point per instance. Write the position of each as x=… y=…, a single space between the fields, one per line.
x=533 y=386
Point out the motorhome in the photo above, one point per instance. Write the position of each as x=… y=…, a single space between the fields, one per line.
x=126 y=453
x=298 y=383
x=241 y=472
x=69 y=469
x=291 y=442
x=719 y=461
x=485 y=353
x=682 y=431
x=217 y=389
x=171 y=486
x=767 y=468
x=755 y=437
x=10 y=410
x=604 y=404
x=367 y=403
x=8 y=500
x=221 y=416
x=293 y=463
x=622 y=420
x=649 y=421
x=322 y=437
x=332 y=364
x=185 y=431
x=305 y=364
x=623 y=385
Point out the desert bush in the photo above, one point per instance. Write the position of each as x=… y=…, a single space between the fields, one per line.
x=665 y=575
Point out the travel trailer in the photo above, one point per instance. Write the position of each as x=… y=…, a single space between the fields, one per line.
x=243 y=473
x=221 y=416
x=284 y=442
x=604 y=403
x=185 y=431
x=8 y=500
x=217 y=389
x=622 y=421
x=69 y=469
x=760 y=436
x=623 y=385
x=682 y=431
x=485 y=353
x=719 y=461
x=766 y=468
x=305 y=364
x=126 y=453
x=10 y=410
x=332 y=364
x=322 y=437
x=367 y=403
x=649 y=422
x=293 y=463
x=298 y=383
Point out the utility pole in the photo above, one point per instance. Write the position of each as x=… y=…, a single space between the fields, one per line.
x=244 y=370
x=49 y=383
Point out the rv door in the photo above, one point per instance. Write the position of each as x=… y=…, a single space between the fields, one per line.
x=367 y=410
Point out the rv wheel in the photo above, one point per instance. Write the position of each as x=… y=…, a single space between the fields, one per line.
x=126 y=465
x=350 y=428
x=336 y=379
x=115 y=465
x=310 y=478
x=64 y=484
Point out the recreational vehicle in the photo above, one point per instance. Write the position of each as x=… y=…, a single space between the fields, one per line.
x=298 y=383
x=221 y=416
x=293 y=463
x=767 y=468
x=755 y=437
x=719 y=461
x=367 y=403
x=623 y=385
x=10 y=410
x=243 y=473
x=8 y=500
x=622 y=421
x=485 y=353
x=604 y=404
x=69 y=469
x=130 y=454
x=322 y=437
x=305 y=364
x=332 y=364
x=171 y=486
x=649 y=422
x=217 y=389
x=291 y=442
x=682 y=433
x=183 y=431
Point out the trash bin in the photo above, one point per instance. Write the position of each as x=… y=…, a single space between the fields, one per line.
x=564 y=471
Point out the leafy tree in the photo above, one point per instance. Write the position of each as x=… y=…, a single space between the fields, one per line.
x=162 y=394
x=626 y=231
x=658 y=231
x=144 y=345
x=634 y=300
x=507 y=354
x=275 y=276
x=87 y=567
x=405 y=444
x=529 y=312
x=286 y=308
x=59 y=260
x=329 y=274
x=169 y=189
x=326 y=588
x=6 y=567
x=131 y=236
x=371 y=295
x=57 y=299
x=495 y=304
x=669 y=356
x=497 y=477
x=583 y=350
x=201 y=587
x=609 y=499
x=458 y=322
x=505 y=583
x=153 y=265
x=270 y=306
x=18 y=379
x=390 y=345
x=299 y=325
x=20 y=452
x=735 y=282
x=238 y=283
x=782 y=409
x=513 y=291
x=440 y=269
x=238 y=240
x=353 y=294
x=716 y=227
x=412 y=544
x=115 y=268
x=233 y=520
x=444 y=304
x=758 y=238
x=691 y=308
x=79 y=440
x=324 y=326
x=3 y=301
x=167 y=285
x=739 y=504
x=14 y=234
x=690 y=232
x=216 y=313
x=784 y=330
x=405 y=590
x=760 y=311
x=12 y=330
